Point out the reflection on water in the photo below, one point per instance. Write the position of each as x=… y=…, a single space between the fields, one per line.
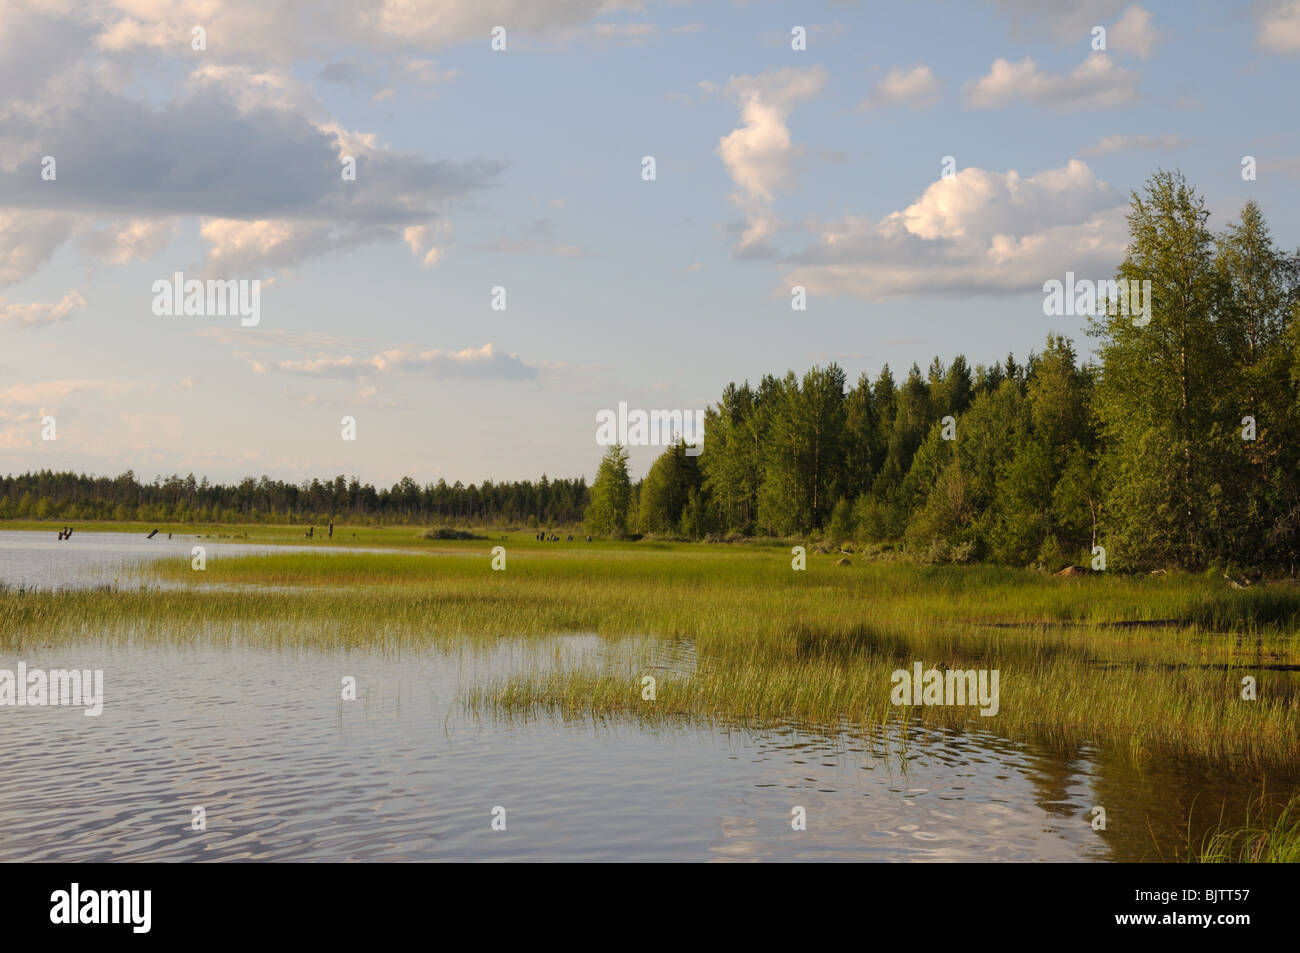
x=40 y=560
x=287 y=770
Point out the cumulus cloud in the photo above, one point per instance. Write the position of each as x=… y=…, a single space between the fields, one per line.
x=978 y=231
x=1133 y=33
x=760 y=155
x=246 y=148
x=1096 y=83
x=917 y=87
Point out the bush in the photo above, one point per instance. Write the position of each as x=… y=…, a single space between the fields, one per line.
x=446 y=532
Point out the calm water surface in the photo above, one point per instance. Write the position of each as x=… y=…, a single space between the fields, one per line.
x=287 y=770
x=40 y=560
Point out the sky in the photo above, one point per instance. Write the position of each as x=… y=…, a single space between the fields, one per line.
x=213 y=139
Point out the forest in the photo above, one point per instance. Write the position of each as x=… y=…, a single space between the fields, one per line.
x=1176 y=446
x=45 y=495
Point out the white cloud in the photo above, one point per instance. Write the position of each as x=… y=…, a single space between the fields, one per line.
x=760 y=155
x=1133 y=33
x=36 y=313
x=917 y=87
x=254 y=89
x=1278 y=26
x=1096 y=83
x=979 y=231
x=120 y=243
x=28 y=238
x=484 y=362
x=424 y=242
x=250 y=150
x=252 y=248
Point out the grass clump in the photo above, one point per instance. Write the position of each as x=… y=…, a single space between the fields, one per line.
x=1266 y=836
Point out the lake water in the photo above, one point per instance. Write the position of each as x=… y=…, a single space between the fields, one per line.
x=40 y=560
x=286 y=770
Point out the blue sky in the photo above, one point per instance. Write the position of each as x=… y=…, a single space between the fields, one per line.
x=522 y=169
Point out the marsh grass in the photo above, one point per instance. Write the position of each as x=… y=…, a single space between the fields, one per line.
x=1060 y=702
x=1146 y=664
x=1268 y=835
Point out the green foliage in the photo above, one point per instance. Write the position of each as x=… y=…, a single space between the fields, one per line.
x=671 y=486
x=611 y=494
x=175 y=499
x=841 y=523
x=1142 y=454
x=1181 y=485
x=805 y=452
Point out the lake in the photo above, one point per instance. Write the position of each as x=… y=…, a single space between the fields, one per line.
x=285 y=769
x=40 y=560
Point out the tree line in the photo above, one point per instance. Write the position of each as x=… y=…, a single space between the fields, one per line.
x=70 y=496
x=1179 y=445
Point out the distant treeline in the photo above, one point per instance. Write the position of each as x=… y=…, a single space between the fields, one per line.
x=70 y=496
x=1181 y=446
